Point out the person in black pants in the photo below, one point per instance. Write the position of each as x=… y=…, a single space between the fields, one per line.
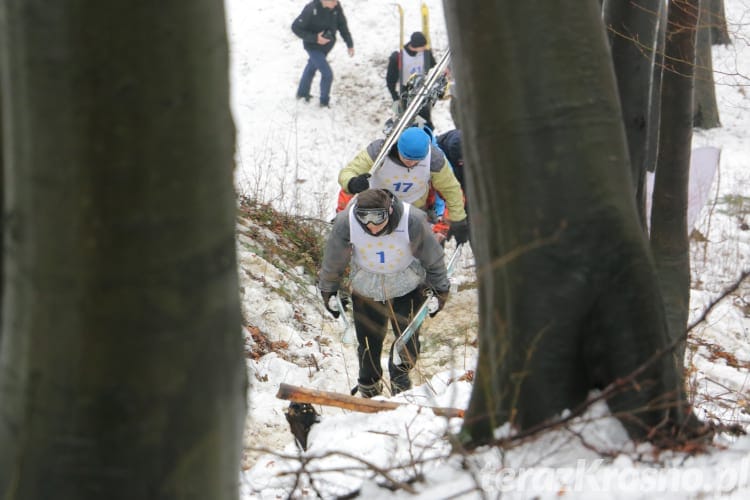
x=317 y=25
x=371 y=319
x=394 y=259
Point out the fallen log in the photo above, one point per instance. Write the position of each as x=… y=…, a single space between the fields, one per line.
x=299 y=394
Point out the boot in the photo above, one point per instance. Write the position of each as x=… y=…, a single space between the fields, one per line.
x=371 y=390
x=400 y=383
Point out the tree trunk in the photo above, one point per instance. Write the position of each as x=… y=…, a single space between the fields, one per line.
x=569 y=299
x=705 y=109
x=632 y=30
x=121 y=369
x=652 y=150
x=669 y=233
x=718 y=22
x=2 y=205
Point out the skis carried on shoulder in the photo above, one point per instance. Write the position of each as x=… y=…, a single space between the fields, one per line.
x=399 y=345
x=428 y=87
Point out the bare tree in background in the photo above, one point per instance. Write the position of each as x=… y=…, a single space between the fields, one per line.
x=121 y=367
x=655 y=100
x=633 y=30
x=569 y=297
x=669 y=233
x=718 y=22
x=705 y=108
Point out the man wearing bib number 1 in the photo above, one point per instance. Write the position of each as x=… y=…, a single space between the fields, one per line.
x=394 y=259
x=411 y=166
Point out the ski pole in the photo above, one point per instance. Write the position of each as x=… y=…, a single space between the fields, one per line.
x=419 y=317
x=335 y=304
x=349 y=335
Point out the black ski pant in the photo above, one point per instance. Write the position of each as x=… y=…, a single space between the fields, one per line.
x=371 y=320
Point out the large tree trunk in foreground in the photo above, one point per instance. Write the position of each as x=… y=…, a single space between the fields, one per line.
x=569 y=299
x=669 y=231
x=121 y=366
x=2 y=204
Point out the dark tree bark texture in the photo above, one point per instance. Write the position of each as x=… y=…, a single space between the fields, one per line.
x=2 y=204
x=569 y=299
x=669 y=233
x=718 y=22
x=705 y=108
x=652 y=150
x=122 y=373
x=632 y=30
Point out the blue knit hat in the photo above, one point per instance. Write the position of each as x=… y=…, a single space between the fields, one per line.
x=413 y=144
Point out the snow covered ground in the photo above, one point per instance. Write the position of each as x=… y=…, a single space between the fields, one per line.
x=289 y=154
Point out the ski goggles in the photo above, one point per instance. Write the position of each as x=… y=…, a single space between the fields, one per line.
x=371 y=215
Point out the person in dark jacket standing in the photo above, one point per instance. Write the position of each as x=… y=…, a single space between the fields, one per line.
x=393 y=259
x=317 y=25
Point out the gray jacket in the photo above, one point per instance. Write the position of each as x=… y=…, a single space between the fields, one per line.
x=424 y=247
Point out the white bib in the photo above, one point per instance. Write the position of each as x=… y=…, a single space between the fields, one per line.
x=383 y=266
x=411 y=65
x=409 y=184
x=385 y=254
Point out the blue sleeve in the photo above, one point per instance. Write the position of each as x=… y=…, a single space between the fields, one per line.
x=439 y=206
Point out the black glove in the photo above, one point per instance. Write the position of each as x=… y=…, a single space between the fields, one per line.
x=441 y=297
x=327 y=302
x=358 y=184
x=459 y=230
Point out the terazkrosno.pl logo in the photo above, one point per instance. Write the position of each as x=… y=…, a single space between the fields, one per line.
x=595 y=476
